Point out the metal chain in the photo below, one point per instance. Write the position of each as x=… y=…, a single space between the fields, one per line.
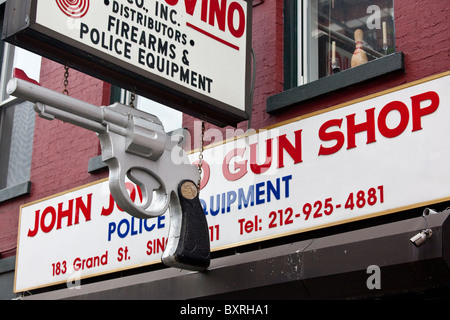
x=200 y=156
x=66 y=80
x=132 y=98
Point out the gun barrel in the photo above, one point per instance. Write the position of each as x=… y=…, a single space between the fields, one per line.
x=50 y=113
x=34 y=93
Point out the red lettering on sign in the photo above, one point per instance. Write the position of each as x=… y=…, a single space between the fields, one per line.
x=239 y=31
x=50 y=216
x=229 y=16
x=404 y=119
x=353 y=128
x=369 y=126
x=254 y=166
x=330 y=136
x=131 y=189
x=239 y=167
x=293 y=149
x=418 y=113
x=294 y=152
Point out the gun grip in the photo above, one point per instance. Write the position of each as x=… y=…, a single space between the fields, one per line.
x=193 y=248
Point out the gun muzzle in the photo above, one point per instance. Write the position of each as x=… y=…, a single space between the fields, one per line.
x=31 y=92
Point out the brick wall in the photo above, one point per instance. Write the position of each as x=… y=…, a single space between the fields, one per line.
x=423 y=33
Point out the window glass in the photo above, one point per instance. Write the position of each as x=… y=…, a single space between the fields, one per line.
x=340 y=34
x=170 y=118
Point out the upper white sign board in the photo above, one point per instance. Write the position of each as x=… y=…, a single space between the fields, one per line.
x=193 y=50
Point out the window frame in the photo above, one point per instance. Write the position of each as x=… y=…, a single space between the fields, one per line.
x=7 y=121
x=6 y=126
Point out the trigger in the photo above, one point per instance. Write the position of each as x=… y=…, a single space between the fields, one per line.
x=146 y=182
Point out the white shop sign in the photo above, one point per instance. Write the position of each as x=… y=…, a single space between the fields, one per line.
x=370 y=157
x=190 y=50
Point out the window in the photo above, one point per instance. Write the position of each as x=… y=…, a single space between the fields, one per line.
x=321 y=39
x=170 y=118
x=352 y=32
x=16 y=122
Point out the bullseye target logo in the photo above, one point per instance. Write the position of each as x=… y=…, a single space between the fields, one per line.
x=74 y=8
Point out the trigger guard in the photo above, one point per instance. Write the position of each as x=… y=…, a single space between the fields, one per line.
x=156 y=199
x=120 y=194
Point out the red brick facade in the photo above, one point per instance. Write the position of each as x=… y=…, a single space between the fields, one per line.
x=61 y=151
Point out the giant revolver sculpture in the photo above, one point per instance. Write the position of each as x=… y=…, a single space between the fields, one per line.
x=135 y=145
